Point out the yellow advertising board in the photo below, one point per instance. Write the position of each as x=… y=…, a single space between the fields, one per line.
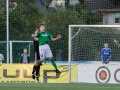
x=22 y=73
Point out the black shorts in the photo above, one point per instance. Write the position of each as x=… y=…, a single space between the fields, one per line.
x=36 y=54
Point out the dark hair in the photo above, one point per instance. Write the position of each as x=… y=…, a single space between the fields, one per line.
x=41 y=25
x=36 y=29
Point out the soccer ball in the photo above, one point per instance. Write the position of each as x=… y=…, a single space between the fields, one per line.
x=61 y=3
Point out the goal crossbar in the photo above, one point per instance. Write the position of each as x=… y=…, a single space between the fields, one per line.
x=93 y=26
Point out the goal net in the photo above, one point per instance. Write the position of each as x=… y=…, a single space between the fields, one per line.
x=85 y=44
x=16 y=49
x=3 y=45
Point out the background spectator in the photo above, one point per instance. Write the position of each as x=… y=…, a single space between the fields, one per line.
x=24 y=57
x=1 y=58
x=106 y=54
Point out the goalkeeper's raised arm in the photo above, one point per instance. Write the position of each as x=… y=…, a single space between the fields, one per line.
x=116 y=42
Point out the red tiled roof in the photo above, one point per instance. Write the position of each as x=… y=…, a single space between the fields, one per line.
x=107 y=10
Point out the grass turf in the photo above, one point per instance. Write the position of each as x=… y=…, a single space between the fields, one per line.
x=58 y=86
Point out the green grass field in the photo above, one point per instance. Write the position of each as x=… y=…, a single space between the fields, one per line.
x=61 y=86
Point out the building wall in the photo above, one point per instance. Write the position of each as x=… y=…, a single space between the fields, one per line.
x=72 y=2
x=109 y=18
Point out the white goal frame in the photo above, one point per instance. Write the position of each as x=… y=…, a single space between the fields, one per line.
x=69 y=43
x=11 y=56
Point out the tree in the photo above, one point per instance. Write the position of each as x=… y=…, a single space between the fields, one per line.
x=2 y=21
x=116 y=3
x=24 y=17
x=23 y=20
x=57 y=22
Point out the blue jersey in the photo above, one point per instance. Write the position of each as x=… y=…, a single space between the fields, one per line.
x=106 y=53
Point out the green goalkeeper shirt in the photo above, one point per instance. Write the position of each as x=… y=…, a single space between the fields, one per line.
x=44 y=37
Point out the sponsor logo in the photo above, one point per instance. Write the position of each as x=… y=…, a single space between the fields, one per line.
x=44 y=35
x=24 y=73
x=16 y=75
x=103 y=75
x=117 y=75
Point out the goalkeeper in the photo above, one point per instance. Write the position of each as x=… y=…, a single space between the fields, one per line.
x=45 y=52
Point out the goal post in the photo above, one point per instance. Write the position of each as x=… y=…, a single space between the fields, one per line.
x=90 y=35
x=16 y=49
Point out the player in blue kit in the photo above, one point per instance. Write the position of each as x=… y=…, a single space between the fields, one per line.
x=106 y=54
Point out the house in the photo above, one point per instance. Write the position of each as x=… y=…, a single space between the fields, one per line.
x=110 y=12
x=110 y=16
x=73 y=2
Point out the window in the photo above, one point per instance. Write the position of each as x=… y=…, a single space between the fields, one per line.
x=117 y=20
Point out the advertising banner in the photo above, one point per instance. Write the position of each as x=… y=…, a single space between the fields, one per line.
x=23 y=73
x=99 y=73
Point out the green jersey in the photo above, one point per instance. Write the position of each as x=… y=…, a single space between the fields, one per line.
x=44 y=37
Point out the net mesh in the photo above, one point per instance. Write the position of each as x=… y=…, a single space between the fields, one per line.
x=17 y=50
x=3 y=50
x=26 y=15
x=87 y=43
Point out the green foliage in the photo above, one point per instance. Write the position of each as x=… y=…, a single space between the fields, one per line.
x=86 y=16
x=58 y=21
x=116 y=3
x=94 y=18
x=25 y=17
x=81 y=12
